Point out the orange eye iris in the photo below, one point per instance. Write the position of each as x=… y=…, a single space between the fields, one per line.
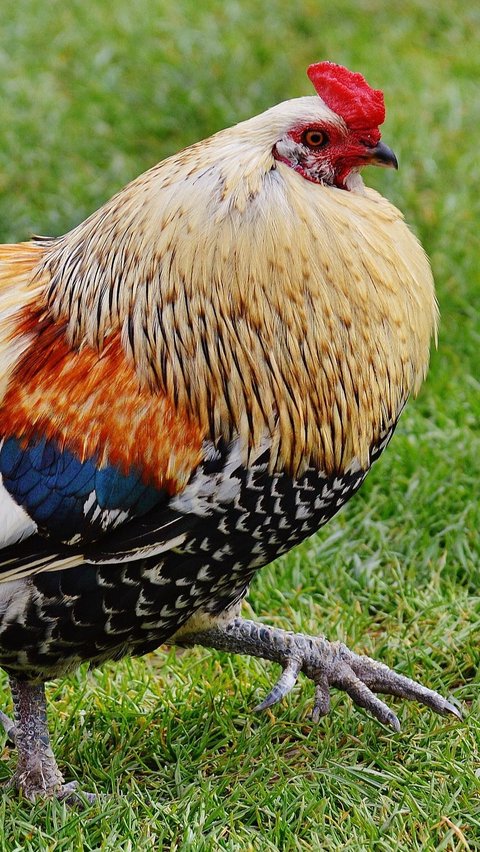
x=315 y=138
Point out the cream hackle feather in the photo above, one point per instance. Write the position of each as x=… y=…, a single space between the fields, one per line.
x=261 y=303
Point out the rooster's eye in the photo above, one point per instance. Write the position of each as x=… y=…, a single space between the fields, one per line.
x=315 y=138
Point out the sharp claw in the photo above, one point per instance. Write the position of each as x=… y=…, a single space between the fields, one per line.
x=439 y=704
x=284 y=684
x=455 y=711
x=391 y=720
x=267 y=702
x=380 y=711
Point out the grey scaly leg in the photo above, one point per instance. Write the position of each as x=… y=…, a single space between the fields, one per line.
x=37 y=774
x=325 y=663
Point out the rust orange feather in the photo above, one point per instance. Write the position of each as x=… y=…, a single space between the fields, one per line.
x=92 y=403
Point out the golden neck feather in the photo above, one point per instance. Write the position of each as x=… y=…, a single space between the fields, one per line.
x=260 y=303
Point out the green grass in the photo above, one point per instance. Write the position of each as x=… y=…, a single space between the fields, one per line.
x=91 y=95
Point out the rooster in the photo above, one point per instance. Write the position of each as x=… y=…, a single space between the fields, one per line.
x=194 y=380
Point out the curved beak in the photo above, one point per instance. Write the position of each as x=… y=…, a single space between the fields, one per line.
x=382 y=155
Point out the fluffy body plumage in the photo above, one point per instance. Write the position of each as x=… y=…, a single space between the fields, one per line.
x=195 y=379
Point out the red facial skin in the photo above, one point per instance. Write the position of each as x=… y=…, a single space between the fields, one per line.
x=331 y=162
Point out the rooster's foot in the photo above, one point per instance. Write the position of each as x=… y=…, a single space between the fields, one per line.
x=34 y=788
x=326 y=663
x=37 y=775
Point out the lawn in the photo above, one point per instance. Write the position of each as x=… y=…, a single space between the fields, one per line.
x=91 y=95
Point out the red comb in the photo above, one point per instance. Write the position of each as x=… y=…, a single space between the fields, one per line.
x=348 y=94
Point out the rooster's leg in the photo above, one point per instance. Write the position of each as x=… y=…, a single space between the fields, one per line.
x=325 y=663
x=37 y=774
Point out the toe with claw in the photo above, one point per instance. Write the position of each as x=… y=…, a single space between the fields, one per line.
x=334 y=665
x=326 y=663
